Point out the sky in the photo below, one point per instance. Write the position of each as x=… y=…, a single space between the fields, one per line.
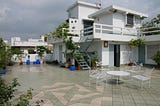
x=33 y=18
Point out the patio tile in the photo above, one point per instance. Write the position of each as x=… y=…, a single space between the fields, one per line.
x=71 y=88
x=118 y=104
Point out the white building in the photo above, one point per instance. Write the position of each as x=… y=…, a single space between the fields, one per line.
x=108 y=32
x=24 y=46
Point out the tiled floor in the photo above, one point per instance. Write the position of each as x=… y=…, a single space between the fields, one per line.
x=56 y=86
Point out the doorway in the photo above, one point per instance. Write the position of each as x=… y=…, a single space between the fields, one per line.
x=114 y=55
x=117 y=55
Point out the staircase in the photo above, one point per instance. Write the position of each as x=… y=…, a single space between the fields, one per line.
x=82 y=62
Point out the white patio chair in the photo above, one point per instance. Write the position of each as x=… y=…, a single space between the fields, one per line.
x=137 y=66
x=98 y=76
x=99 y=66
x=144 y=77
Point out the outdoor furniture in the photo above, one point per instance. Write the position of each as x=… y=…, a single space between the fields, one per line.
x=118 y=74
x=98 y=76
x=137 y=66
x=144 y=77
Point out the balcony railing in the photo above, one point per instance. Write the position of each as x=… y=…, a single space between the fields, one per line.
x=150 y=31
x=109 y=29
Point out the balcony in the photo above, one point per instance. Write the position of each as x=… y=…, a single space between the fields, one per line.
x=110 y=32
x=151 y=34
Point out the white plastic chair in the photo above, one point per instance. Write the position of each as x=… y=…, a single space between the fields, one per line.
x=98 y=76
x=144 y=77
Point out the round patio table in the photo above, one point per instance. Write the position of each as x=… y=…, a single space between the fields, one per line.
x=118 y=74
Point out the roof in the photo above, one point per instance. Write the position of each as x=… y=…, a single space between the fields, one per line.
x=114 y=8
x=85 y=4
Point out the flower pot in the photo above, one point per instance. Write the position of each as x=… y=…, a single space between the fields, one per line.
x=78 y=68
x=72 y=68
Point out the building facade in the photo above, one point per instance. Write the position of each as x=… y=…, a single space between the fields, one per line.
x=108 y=32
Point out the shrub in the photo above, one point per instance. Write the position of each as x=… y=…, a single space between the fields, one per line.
x=156 y=58
x=7 y=93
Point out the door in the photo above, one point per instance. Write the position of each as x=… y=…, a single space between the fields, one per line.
x=117 y=55
x=141 y=54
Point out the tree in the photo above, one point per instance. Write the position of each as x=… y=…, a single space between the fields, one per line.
x=136 y=43
x=61 y=31
x=6 y=53
x=41 y=50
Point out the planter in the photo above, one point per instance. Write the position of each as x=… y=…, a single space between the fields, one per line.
x=72 y=68
x=78 y=68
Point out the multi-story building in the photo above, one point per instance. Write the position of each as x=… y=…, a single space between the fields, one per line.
x=108 y=32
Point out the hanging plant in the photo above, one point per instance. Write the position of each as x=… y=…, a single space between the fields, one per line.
x=136 y=43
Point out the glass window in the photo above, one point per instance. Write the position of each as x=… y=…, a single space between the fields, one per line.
x=130 y=19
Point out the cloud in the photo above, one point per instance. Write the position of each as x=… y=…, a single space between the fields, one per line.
x=4 y=11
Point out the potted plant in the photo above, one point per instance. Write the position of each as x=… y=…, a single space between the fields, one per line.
x=156 y=58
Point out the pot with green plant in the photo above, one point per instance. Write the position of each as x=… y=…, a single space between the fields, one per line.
x=156 y=58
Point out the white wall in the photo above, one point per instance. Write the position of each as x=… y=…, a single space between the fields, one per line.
x=105 y=54
x=73 y=13
x=84 y=11
x=128 y=54
x=57 y=53
x=105 y=19
x=49 y=57
x=118 y=19
x=75 y=26
x=95 y=46
x=150 y=50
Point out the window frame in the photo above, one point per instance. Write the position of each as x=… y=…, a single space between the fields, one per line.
x=130 y=20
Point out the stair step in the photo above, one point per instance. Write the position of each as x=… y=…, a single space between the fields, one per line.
x=85 y=68
x=84 y=65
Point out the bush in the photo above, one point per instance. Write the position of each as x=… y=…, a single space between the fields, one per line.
x=31 y=51
x=7 y=94
x=156 y=58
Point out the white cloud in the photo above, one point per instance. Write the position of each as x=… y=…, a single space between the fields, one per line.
x=4 y=13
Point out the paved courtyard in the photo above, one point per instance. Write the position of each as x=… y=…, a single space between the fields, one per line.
x=57 y=86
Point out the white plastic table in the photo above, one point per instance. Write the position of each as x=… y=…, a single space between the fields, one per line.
x=118 y=74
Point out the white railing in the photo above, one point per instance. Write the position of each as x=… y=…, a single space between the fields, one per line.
x=150 y=31
x=109 y=29
x=25 y=43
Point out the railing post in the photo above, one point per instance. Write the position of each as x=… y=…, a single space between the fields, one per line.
x=121 y=31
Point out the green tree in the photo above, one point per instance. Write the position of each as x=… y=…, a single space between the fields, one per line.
x=41 y=50
x=61 y=31
x=6 y=53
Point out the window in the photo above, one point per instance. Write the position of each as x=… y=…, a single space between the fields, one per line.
x=130 y=21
